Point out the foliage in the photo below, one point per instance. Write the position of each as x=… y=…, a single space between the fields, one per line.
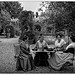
x=60 y=13
x=14 y=8
x=26 y=20
x=9 y=10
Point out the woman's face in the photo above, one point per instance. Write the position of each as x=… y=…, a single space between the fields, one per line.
x=58 y=37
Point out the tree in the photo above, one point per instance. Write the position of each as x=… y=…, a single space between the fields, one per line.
x=14 y=8
x=9 y=10
x=60 y=13
x=5 y=19
x=26 y=19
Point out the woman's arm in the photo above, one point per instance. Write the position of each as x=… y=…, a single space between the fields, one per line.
x=36 y=46
x=46 y=46
x=24 y=50
x=69 y=46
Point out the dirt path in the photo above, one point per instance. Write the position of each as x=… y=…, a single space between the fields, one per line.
x=7 y=62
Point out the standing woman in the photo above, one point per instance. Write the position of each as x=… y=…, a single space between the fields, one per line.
x=59 y=58
x=25 y=61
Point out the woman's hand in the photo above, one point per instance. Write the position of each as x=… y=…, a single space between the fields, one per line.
x=58 y=48
x=35 y=49
x=30 y=53
x=55 y=50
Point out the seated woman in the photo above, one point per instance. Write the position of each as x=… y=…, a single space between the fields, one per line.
x=40 y=55
x=59 y=43
x=70 y=48
x=59 y=58
x=41 y=44
x=25 y=61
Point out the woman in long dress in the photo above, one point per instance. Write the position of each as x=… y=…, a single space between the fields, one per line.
x=25 y=61
x=59 y=58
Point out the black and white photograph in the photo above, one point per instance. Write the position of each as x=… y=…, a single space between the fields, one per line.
x=37 y=37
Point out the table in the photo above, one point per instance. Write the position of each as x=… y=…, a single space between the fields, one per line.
x=41 y=57
x=37 y=54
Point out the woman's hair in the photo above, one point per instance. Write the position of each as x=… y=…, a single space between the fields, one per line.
x=73 y=38
x=24 y=38
x=58 y=35
x=40 y=35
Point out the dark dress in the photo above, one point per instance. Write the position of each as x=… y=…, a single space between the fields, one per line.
x=70 y=50
x=25 y=61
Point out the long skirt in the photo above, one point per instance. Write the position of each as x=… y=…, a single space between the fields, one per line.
x=58 y=59
x=25 y=62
